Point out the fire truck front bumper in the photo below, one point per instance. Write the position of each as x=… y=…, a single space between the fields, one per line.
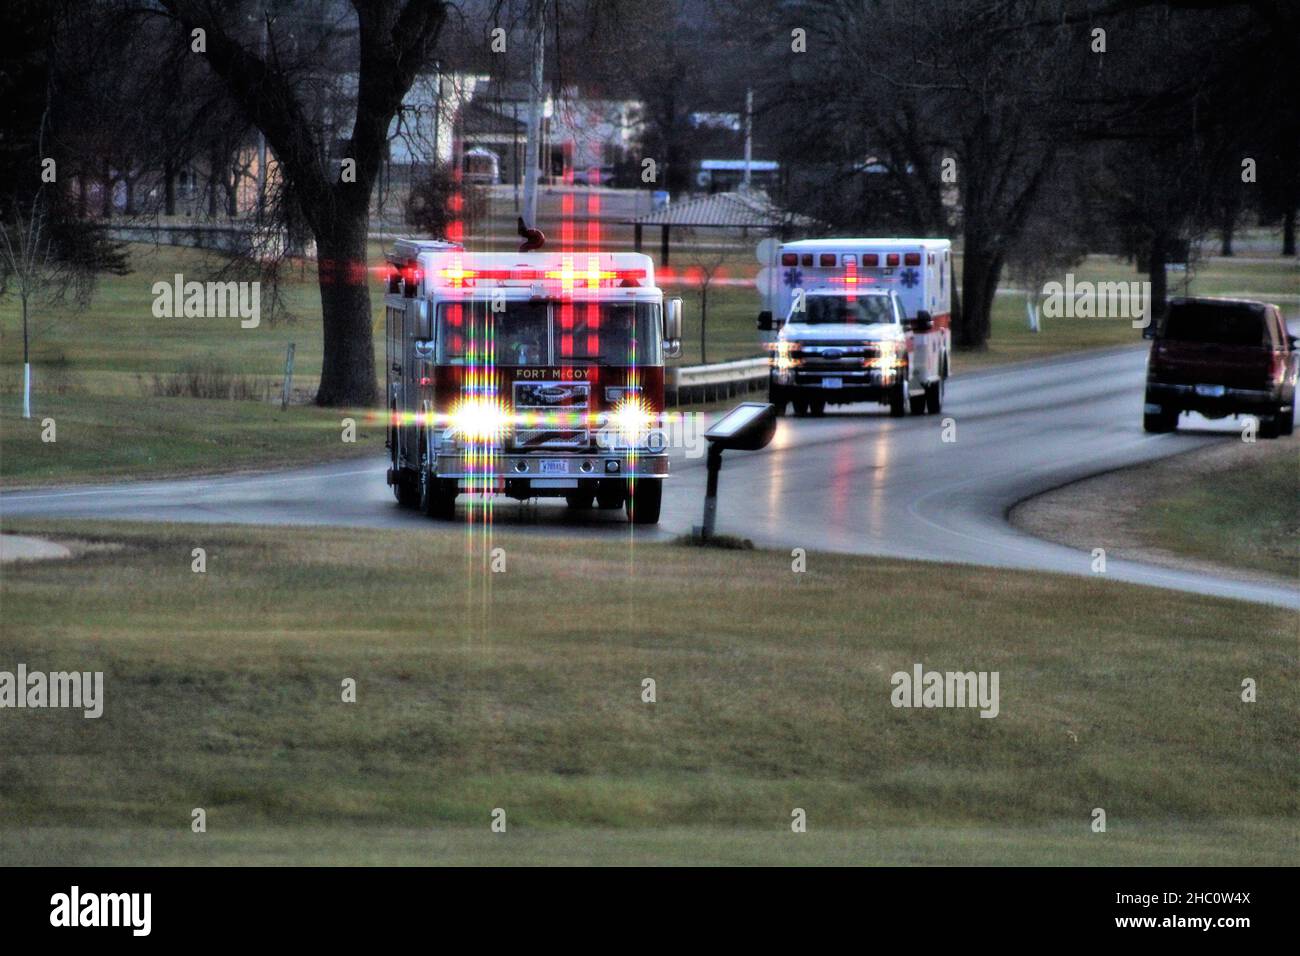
x=543 y=471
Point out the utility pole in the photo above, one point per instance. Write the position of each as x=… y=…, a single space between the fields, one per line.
x=749 y=133
x=263 y=42
x=537 y=23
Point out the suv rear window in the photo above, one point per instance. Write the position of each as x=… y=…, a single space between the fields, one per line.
x=1221 y=323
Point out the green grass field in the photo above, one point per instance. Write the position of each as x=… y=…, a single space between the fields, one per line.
x=223 y=692
x=1239 y=516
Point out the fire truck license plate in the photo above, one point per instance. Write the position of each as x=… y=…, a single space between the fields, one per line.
x=555 y=468
x=832 y=383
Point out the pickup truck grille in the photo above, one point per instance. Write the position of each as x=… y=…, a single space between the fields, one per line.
x=835 y=356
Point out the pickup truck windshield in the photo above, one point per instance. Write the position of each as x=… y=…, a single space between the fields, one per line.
x=842 y=310
x=552 y=333
x=1221 y=324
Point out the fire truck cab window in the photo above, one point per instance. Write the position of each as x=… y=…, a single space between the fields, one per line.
x=521 y=333
x=619 y=333
x=548 y=333
x=842 y=310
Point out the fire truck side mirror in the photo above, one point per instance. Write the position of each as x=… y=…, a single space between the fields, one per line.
x=422 y=329
x=673 y=325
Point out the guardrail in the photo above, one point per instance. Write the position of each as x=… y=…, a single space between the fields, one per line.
x=695 y=384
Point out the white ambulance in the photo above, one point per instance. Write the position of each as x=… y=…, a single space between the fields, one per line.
x=853 y=320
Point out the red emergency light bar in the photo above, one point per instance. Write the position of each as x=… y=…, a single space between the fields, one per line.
x=852 y=279
x=870 y=260
x=891 y=259
x=459 y=277
x=912 y=259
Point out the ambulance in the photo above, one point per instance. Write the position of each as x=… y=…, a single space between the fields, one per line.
x=854 y=320
x=529 y=374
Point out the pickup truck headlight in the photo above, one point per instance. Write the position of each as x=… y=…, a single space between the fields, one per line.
x=785 y=355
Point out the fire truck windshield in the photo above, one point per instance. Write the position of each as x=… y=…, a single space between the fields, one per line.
x=551 y=333
x=845 y=310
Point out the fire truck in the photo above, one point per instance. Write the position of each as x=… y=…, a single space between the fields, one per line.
x=851 y=320
x=529 y=374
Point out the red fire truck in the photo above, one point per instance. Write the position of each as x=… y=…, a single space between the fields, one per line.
x=528 y=374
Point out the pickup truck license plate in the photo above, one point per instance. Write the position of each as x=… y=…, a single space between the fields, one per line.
x=1210 y=391
x=832 y=383
x=555 y=467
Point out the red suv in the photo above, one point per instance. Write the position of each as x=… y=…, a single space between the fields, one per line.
x=1221 y=357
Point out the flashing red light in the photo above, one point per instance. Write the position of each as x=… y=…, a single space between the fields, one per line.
x=826 y=260
x=807 y=258
x=789 y=258
x=912 y=259
x=870 y=260
x=467 y=277
x=891 y=259
x=852 y=279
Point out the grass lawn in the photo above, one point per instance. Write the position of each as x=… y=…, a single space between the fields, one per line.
x=118 y=437
x=223 y=692
x=1239 y=514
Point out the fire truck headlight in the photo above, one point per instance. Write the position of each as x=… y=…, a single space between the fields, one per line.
x=632 y=420
x=478 y=419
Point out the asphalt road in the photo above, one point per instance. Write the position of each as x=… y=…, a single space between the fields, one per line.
x=854 y=481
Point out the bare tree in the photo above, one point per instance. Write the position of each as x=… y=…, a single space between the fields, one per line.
x=276 y=81
x=36 y=275
x=706 y=262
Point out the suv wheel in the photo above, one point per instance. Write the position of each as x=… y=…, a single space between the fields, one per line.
x=898 y=400
x=1160 y=422
x=1270 y=426
x=776 y=396
x=934 y=397
x=1286 y=421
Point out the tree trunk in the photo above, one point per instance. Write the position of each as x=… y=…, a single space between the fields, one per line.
x=704 y=318
x=169 y=189
x=1225 y=237
x=1156 y=261
x=106 y=198
x=980 y=270
x=348 y=366
x=1288 y=233
x=27 y=366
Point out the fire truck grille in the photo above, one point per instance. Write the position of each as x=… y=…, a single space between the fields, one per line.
x=565 y=404
x=531 y=438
